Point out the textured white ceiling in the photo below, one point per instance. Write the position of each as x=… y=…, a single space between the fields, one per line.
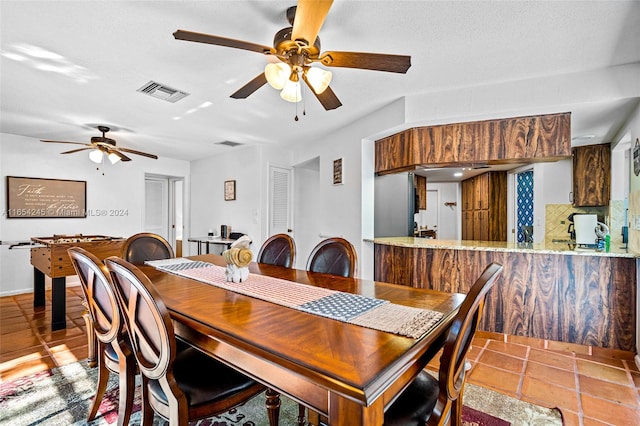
x=67 y=66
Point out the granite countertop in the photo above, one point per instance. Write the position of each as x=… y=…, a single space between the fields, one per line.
x=556 y=247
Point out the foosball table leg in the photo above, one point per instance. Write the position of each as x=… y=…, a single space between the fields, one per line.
x=58 y=303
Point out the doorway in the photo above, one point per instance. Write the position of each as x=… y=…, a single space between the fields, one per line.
x=164 y=209
x=431 y=217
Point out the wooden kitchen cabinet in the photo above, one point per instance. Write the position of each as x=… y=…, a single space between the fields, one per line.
x=484 y=207
x=468 y=194
x=420 y=182
x=481 y=193
x=467 y=224
x=592 y=175
x=518 y=139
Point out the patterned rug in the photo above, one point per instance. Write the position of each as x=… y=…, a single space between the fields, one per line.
x=62 y=396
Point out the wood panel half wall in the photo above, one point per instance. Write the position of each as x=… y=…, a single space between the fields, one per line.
x=575 y=298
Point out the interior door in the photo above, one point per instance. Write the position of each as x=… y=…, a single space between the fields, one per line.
x=280 y=207
x=156 y=212
x=164 y=207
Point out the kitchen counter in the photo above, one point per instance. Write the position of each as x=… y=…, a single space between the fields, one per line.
x=552 y=248
x=550 y=292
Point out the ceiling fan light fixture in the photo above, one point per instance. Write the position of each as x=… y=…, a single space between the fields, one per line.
x=95 y=155
x=277 y=74
x=113 y=157
x=318 y=78
x=291 y=91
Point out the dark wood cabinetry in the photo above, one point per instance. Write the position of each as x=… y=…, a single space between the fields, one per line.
x=592 y=175
x=518 y=139
x=420 y=182
x=484 y=207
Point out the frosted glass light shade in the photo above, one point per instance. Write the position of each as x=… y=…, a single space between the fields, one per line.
x=114 y=158
x=95 y=155
x=277 y=74
x=318 y=79
x=291 y=91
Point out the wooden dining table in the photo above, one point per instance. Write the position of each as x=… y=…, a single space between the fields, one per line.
x=345 y=372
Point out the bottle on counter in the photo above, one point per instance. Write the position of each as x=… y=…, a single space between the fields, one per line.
x=607 y=243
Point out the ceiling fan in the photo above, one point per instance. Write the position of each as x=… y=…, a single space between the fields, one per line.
x=103 y=146
x=298 y=47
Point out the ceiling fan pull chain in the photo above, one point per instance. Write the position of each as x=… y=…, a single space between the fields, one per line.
x=304 y=104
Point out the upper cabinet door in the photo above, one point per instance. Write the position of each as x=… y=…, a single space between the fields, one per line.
x=420 y=183
x=592 y=175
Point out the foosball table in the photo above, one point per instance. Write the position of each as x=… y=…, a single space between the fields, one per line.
x=49 y=257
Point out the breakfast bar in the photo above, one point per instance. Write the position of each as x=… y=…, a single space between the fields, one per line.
x=547 y=291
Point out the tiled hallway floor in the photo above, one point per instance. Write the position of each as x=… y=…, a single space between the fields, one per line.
x=591 y=386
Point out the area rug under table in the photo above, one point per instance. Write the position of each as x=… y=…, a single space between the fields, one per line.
x=62 y=396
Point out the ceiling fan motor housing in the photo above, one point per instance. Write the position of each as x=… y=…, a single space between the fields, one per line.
x=102 y=139
x=286 y=47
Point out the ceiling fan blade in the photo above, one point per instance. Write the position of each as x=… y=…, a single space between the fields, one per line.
x=75 y=150
x=327 y=98
x=310 y=15
x=133 y=151
x=368 y=61
x=119 y=154
x=75 y=143
x=222 y=41
x=243 y=92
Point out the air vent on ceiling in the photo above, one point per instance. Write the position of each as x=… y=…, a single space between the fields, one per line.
x=229 y=143
x=160 y=91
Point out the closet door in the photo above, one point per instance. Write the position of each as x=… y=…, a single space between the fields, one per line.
x=280 y=189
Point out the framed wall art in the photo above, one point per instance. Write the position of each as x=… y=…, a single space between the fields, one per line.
x=229 y=190
x=337 y=172
x=45 y=198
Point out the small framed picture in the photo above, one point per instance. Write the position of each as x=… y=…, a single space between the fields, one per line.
x=229 y=190
x=337 y=172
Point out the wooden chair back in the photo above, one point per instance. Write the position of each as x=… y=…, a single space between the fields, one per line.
x=113 y=350
x=453 y=359
x=146 y=246
x=147 y=319
x=279 y=249
x=334 y=256
x=99 y=294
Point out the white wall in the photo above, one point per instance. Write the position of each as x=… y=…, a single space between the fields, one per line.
x=248 y=213
x=121 y=187
x=544 y=95
x=347 y=209
x=307 y=204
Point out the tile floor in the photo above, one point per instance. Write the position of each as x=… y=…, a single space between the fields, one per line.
x=591 y=386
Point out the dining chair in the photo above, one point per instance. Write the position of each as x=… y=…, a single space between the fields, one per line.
x=145 y=246
x=113 y=348
x=279 y=249
x=432 y=401
x=179 y=382
x=334 y=256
